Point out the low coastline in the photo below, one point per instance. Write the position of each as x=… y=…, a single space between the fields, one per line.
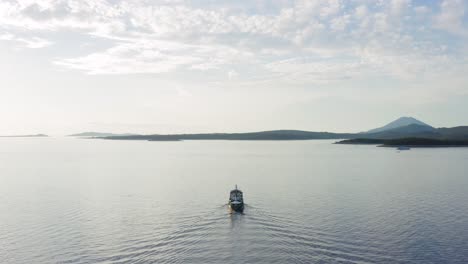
x=407 y=142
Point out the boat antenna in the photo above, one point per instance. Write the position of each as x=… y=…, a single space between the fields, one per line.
x=236 y=186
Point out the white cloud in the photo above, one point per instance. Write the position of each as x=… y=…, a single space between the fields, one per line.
x=232 y=74
x=451 y=17
x=307 y=40
x=136 y=57
x=361 y=11
x=398 y=7
x=35 y=42
x=32 y=42
x=7 y=36
x=421 y=9
x=340 y=23
x=307 y=70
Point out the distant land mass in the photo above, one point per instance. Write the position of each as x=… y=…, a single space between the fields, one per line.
x=99 y=134
x=405 y=129
x=415 y=134
x=418 y=131
x=400 y=122
x=408 y=142
x=263 y=135
x=412 y=130
x=36 y=135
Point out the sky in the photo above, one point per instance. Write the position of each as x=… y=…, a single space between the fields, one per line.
x=177 y=66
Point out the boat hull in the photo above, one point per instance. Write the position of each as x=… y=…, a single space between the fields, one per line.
x=237 y=207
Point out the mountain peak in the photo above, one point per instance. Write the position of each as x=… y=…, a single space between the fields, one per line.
x=400 y=122
x=408 y=118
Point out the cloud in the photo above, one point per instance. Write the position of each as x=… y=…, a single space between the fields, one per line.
x=421 y=9
x=304 y=69
x=32 y=42
x=451 y=16
x=232 y=74
x=35 y=42
x=398 y=7
x=361 y=11
x=132 y=57
x=298 y=41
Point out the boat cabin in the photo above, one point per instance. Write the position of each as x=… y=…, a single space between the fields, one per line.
x=236 y=195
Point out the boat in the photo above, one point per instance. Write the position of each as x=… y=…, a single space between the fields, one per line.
x=236 y=200
x=403 y=148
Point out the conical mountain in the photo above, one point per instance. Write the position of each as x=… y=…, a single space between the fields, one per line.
x=400 y=122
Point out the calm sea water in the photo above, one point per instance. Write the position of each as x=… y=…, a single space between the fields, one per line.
x=65 y=200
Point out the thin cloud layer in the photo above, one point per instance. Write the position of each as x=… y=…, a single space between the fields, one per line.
x=293 y=41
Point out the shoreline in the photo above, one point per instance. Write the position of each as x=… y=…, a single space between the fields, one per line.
x=407 y=142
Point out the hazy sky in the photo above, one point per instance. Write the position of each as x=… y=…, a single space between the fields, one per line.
x=195 y=66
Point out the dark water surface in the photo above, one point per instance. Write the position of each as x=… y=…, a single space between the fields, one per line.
x=95 y=201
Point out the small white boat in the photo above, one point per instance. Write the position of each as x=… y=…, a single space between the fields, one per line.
x=403 y=148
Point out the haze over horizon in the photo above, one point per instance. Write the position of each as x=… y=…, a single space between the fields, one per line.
x=218 y=66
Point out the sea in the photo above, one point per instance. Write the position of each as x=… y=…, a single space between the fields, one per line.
x=71 y=200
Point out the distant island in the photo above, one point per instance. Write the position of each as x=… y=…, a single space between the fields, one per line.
x=99 y=134
x=263 y=135
x=36 y=135
x=399 y=123
x=404 y=131
x=410 y=132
